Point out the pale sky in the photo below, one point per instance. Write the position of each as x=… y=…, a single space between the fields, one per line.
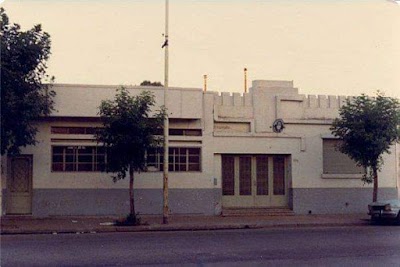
x=328 y=47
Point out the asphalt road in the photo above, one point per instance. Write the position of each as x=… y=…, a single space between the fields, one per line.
x=336 y=246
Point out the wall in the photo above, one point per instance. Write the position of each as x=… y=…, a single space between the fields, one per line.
x=230 y=123
x=76 y=193
x=182 y=102
x=3 y=184
x=307 y=121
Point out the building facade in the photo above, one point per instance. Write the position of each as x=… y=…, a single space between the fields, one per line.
x=271 y=147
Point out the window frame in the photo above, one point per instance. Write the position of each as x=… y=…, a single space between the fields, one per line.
x=175 y=156
x=74 y=130
x=339 y=175
x=75 y=154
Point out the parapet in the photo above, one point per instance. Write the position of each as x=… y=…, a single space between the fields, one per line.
x=234 y=99
x=272 y=84
x=323 y=101
x=273 y=87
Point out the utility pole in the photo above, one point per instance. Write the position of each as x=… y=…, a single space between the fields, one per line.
x=166 y=123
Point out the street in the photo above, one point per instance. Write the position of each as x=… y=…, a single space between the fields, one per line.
x=333 y=246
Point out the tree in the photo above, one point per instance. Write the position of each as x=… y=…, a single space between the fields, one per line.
x=368 y=127
x=127 y=134
x=24 y=97
x=149 y=83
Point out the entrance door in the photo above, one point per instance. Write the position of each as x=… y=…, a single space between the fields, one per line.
x=19 y=186
x=254 y=181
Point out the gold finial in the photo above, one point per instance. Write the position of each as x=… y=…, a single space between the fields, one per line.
x=205 y=82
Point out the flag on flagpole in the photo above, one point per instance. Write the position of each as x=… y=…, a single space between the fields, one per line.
x=165 y=44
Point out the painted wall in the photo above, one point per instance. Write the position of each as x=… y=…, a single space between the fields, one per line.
x=307 y=120
x=230 y=124
x=84 y=100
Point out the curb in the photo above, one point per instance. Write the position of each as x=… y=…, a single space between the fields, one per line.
x=162 y=228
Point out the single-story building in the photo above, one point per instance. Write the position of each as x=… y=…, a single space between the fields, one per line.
x=268 y=148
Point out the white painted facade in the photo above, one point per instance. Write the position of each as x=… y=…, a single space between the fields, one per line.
x=236 y=125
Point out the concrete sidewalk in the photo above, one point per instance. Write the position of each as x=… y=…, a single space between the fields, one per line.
x=55 y=225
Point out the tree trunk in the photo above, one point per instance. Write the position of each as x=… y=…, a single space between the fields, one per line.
x=132 y=212
x=375 y=192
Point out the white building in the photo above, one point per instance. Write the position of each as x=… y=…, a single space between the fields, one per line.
x=224 y=153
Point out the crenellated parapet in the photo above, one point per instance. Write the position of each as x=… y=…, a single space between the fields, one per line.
x=271 y=100
x=233 y=106
x=324 y=101
x=308 y=109
x=233 y=99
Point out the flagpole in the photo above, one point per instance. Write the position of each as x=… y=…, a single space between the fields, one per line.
x=166 y=122
x=245 y=80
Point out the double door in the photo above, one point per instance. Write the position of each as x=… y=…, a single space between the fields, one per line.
x=254 y=181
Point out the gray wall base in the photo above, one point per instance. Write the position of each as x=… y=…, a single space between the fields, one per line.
x=336 y=200
x=47 y=202
x=3 y=201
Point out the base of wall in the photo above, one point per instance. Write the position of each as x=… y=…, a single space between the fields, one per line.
x=3 y=202
x=336 y=200
x=47 y=202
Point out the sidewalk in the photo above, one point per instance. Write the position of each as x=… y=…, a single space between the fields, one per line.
x=76 y=224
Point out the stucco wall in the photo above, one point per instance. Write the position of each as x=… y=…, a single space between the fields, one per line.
x=307 y=120
x=111 y=201
x=84 y=100
x=336 y=200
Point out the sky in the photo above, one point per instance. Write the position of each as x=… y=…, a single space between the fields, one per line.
x=327 y=47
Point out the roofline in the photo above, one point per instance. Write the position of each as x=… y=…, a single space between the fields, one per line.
x=126 y=86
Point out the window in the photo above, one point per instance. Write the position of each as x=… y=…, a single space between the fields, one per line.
x=185 y=132
x=73 y=130
x=245 y=176
x=279 y=175
x=92 y=130
x=262 y=175
x=180 y=132
x=335 y=162
x=78 y=158
x=181 y=159
x=228 y=175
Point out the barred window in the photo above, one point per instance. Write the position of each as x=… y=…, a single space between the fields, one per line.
x=181 y=159
x=78 y=158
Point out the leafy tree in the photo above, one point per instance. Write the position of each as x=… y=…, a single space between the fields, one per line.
x=128 y=134
x=368 y=127
x=149 y=83
x=24 y=97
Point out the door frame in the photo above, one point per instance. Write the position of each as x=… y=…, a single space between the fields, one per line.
x=9 y=178
x=254 y=200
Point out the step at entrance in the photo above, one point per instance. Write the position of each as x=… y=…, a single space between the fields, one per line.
x=257 y=212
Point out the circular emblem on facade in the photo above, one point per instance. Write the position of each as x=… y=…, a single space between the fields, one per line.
x=278 y=125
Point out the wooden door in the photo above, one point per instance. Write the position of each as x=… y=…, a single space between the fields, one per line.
x=262 y=196
x=254 y=181
x=19 y=186
x=279 y=189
